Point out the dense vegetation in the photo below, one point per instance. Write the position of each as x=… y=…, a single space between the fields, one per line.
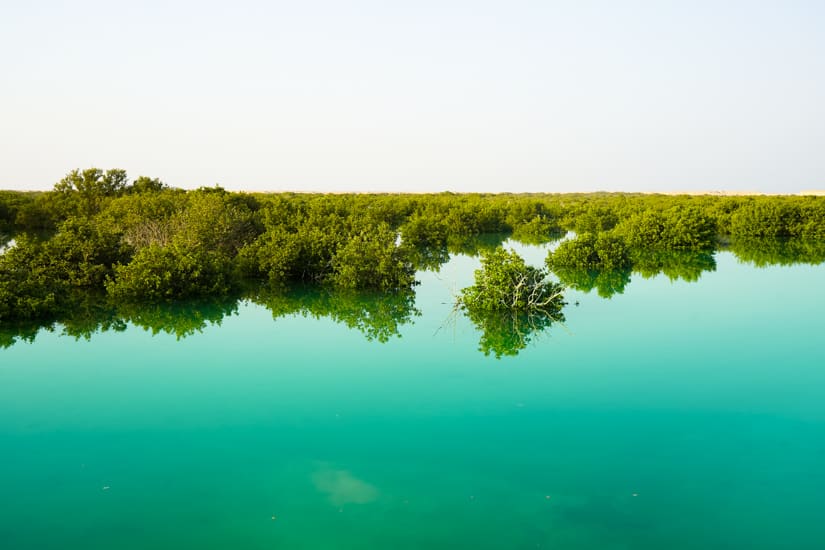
x=101 y=245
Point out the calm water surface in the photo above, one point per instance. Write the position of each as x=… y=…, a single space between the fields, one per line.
x=674 y=415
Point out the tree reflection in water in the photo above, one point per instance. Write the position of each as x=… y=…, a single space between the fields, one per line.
x=380 y=316
x=506 y=333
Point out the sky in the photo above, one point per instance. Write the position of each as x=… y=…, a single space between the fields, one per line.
x=310 y=95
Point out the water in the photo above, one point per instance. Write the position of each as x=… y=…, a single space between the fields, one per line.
x=673 y=415
x=6 y=244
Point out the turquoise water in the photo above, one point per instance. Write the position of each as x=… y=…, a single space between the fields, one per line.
x=674 y=415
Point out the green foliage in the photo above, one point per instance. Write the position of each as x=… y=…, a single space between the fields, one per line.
x=591 y=252
x=370 y=258
x=422 y=231
x=779 y=217
x=185 y=252
x=38 y=277
x=145 y=241
x=213 y=222
x=273 y=255
x=44 y=212
x=534 y=221
x=538 y=230
x=83 y=253
x=145 y=218
x=593 y=219
x=167 y=273
x=30 y=287
x=322 y=246
x=11 y=203
x=676 y=228
x=510 y=302
x=145 y=184
x=506 y=283
x=92 y=186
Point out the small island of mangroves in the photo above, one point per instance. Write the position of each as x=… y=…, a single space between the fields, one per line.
x=101 y=251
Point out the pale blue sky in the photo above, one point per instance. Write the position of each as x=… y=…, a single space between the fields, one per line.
x=417 y=96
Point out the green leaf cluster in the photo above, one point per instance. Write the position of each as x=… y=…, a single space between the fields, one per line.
x=506 y=283
x=675 y=228
x=588 y=251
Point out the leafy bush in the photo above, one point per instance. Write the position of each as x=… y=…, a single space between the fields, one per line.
x=370 y=259
x=29 y=288
x=510 y=302
x=159 y=273
x=768 y=218
x=676 y=228
x=506 y=283
x=538 y=230
x=588 y=251
x=37 y=277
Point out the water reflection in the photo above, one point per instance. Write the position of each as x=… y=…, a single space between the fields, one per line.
x=530 y=236
x=686 y=265
x=377 y=316
x=381 y=317
x=606 y=282
x=676 y=265
x=91 y=313
x=506 y=333
x=767 y=252
x=181 y=319
x=432 y=257
x=689 y=266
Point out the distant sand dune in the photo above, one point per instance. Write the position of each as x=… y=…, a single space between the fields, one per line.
x=817 y=192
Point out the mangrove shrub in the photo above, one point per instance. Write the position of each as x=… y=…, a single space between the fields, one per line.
x=506 y=283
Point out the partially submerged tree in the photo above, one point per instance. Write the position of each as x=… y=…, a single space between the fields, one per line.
x=506 y=283
x=510 y=302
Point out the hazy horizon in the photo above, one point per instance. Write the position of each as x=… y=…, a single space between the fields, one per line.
x=525 y=96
